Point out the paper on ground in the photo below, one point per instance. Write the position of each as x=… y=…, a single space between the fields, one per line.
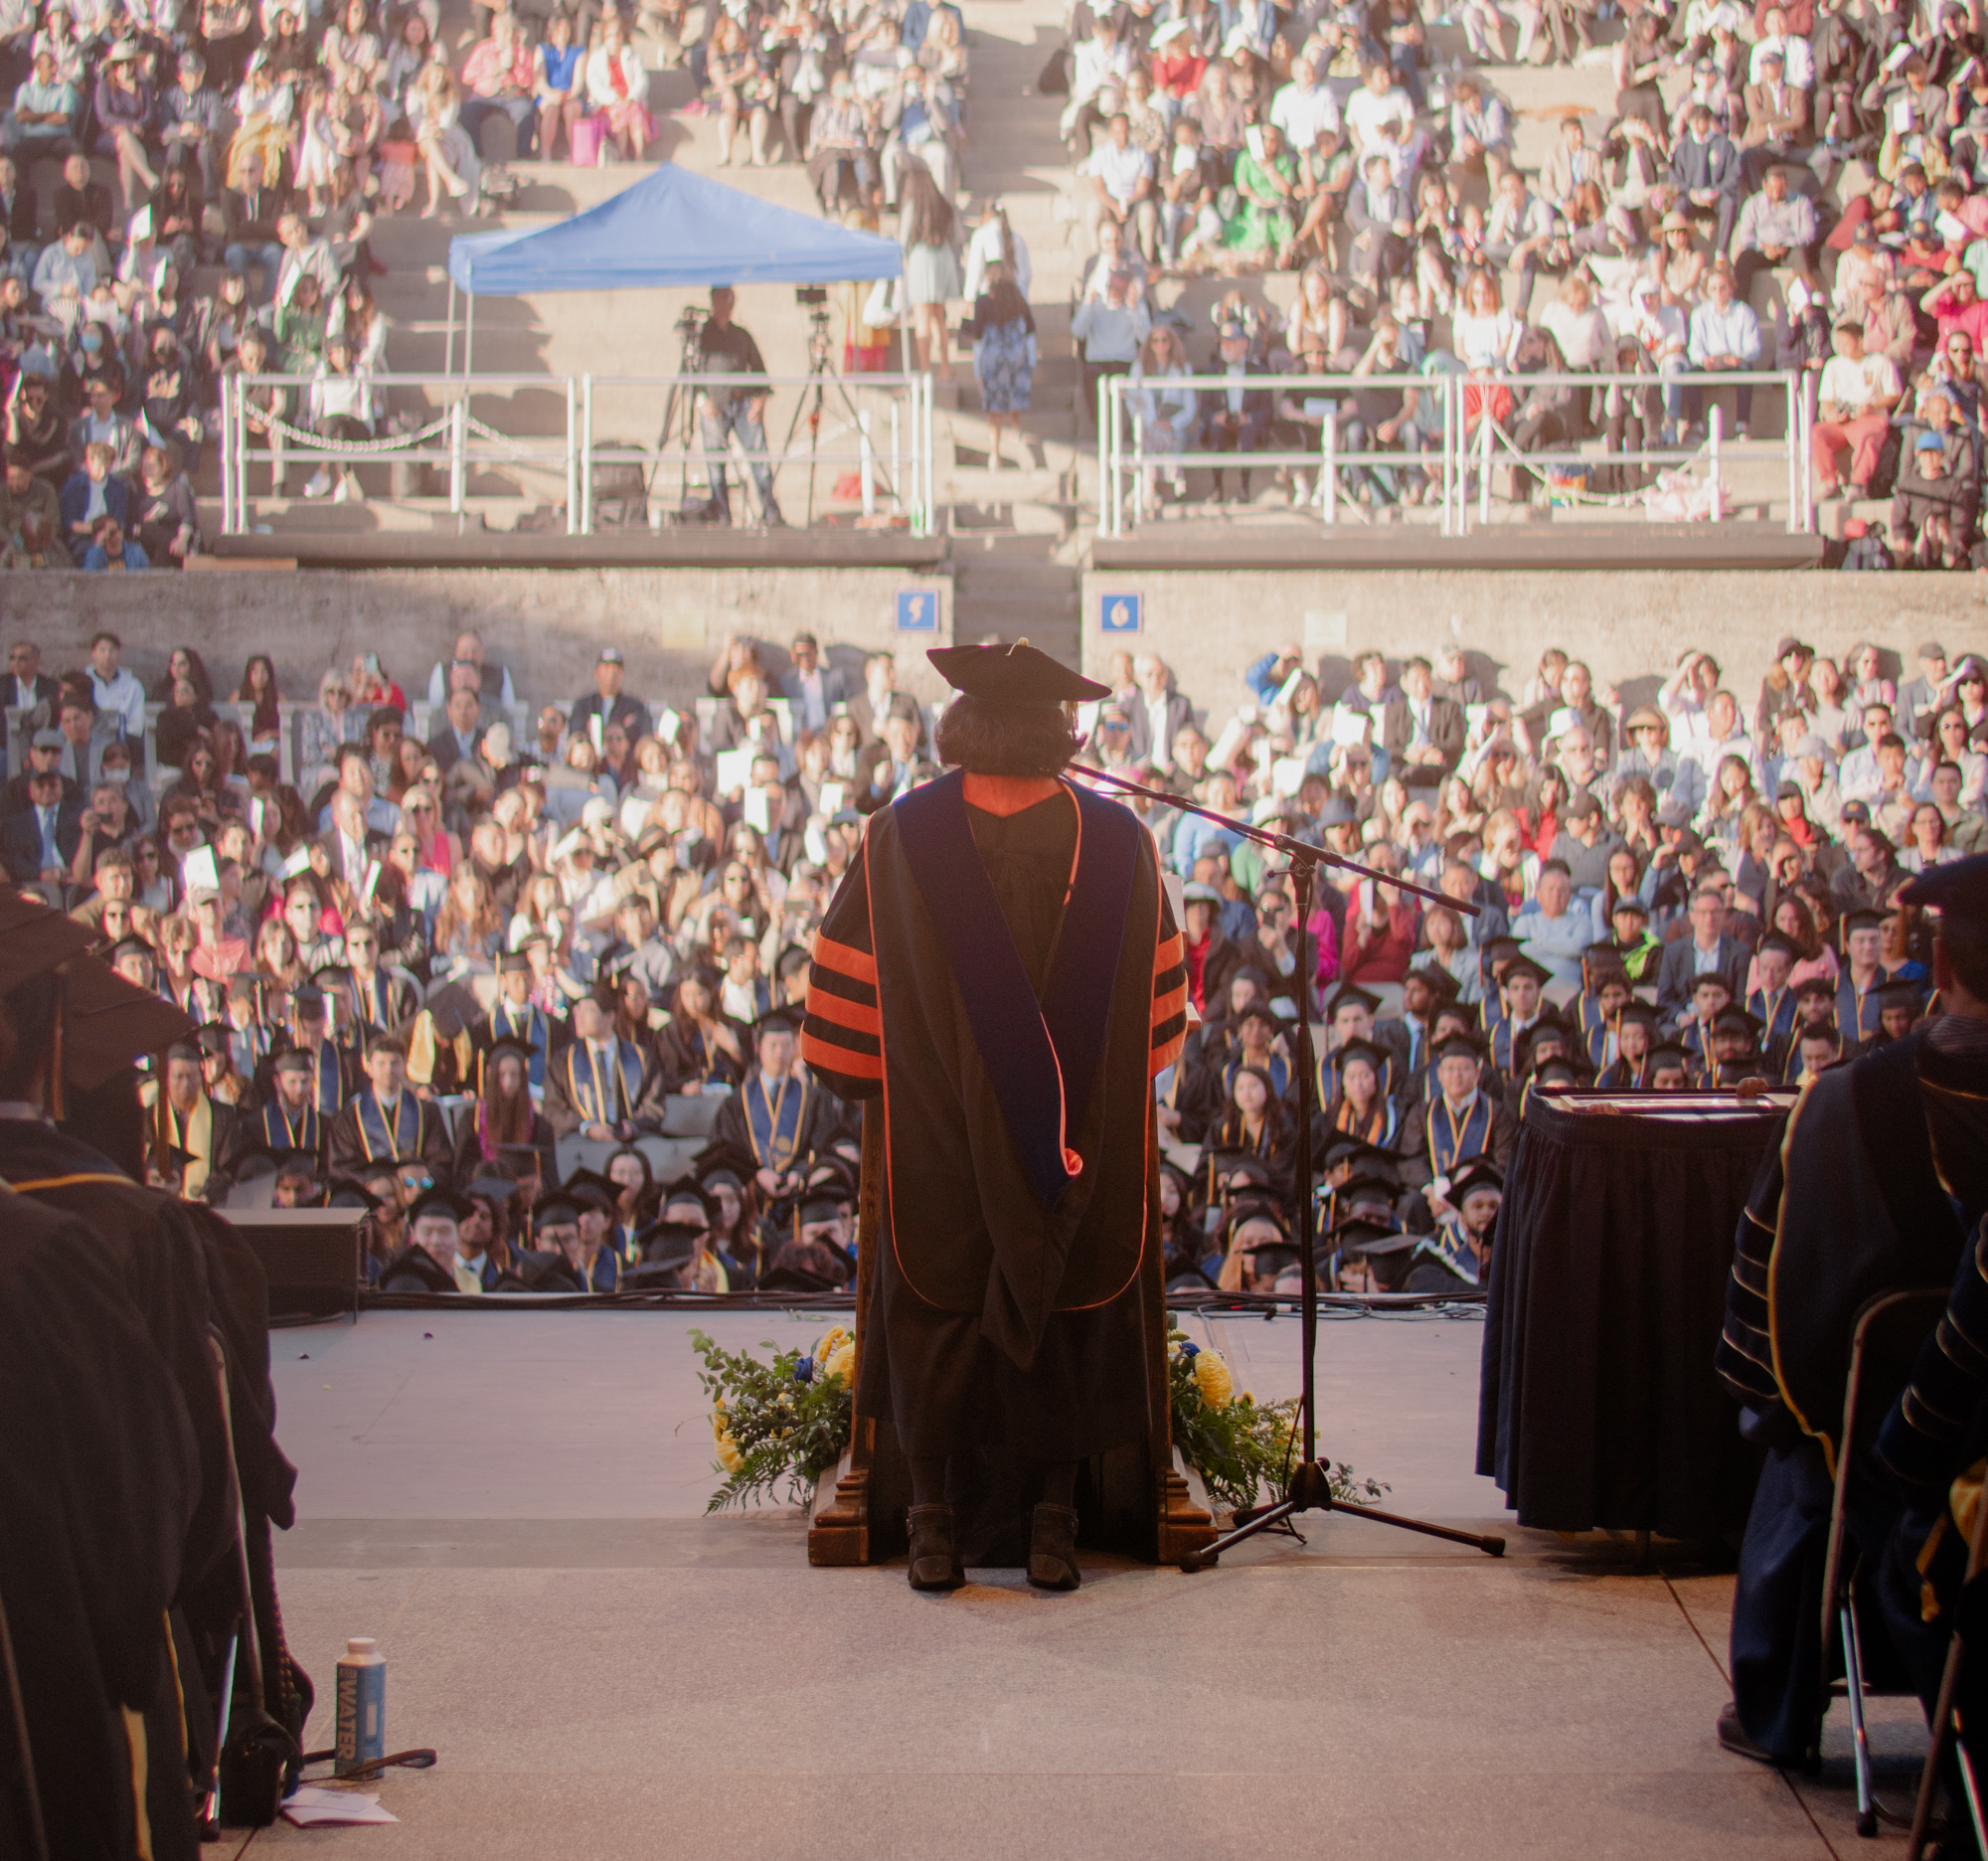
x=310 y=1805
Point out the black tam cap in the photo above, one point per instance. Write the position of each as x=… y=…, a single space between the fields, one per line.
x=1478 y=1173
x=1867 y=920
x=1353 y=992
x=1525 y=966
x=1013 y=675
x=1901 y=992
x=1959 y=886
x=588 y=1189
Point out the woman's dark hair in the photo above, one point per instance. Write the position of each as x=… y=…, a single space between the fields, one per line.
x=1005 y=739
x=202 y=685
x=1005 y=304
x=928 y=213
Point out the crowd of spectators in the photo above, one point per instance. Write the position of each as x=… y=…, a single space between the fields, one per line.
x=501 y=961
x=1777 y=187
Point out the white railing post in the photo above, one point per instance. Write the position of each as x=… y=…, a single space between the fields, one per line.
x=227 y=459
x=1483 y=460
x=931 y=487
x=1792 y=428
x=1107 y=470
x=1138 y=470
x=896 y=482
x=1715 y=428
x=572 y=459
x=458 y=435
x=1447 y=402
x=1328 y=471
x=241 y=454
x=869 y=465
x=587 y=456
x=1808 y=382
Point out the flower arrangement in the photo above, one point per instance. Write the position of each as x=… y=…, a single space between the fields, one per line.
x=778 y=1426
x=1235 y=1443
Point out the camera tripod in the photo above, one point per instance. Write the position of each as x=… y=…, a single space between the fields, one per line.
x=814 y=391
x=1310 y=1485
x=690 y=354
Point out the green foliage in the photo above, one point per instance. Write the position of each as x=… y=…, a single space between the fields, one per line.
x=778 y=1428
x=780 y=1425
x=1235 y=1443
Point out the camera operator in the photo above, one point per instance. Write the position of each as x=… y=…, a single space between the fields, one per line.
x=725 y=348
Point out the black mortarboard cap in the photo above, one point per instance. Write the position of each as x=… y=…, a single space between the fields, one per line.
x=35 y=938
x=1898 y=991
x=1526 y=965
x=668 y=1245
x=1816 y=985
x=510 y=1042
x=1365 y=1191
x=1364 y=1239
x=1777 y=940
x=344 y=1193
x=1273 y=1256
x=1438 y=979
x=820 y=1206
x=555 y=1207
x=1459 y=1046
x=1353 y=1150
x=1353 y=992
x=1012 y=675
x=1735 y=1016
x=1959 y=886
x=587 y=1188
x=307 y=999
x=438 y=1201
x=1477 y=1173
x=1668 y=1053
x=1638 y=1011
x=780 y=1020
x=1359 y=1049
x=1863 y=919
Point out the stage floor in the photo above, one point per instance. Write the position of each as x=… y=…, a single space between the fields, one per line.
x=512 y=1502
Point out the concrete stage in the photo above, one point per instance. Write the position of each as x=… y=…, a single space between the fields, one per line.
x=513 y=1503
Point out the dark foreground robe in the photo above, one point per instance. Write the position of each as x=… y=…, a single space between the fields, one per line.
x=99 y=1482
x=1007 y=1319
x=1882 y=1174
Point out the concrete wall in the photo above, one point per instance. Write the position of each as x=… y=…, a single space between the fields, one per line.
x=1629 y=627
x=547 y=625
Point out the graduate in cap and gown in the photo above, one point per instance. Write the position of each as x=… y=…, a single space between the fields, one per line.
x=290 y=1117
x=1457 y=1255
x=430 y=1260
x=1636 y=1034
x=1519 y=984
x=1464 y=1120
x=1879 y=1183
x=333 y=1072
x=515 y=1017
x=504 y=1116
x=779 y=1115
x=599 y=1085
x=385 y=1117
x=1856 y=998
x=1002 y=971
x=70 y=1030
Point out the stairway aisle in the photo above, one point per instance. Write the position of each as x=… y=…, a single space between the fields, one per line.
x=1014 y=587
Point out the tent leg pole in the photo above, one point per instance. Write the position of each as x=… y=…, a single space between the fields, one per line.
x=448 y=339
x=469 y=334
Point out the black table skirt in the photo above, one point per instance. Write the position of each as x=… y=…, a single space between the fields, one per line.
x=1600 y=1407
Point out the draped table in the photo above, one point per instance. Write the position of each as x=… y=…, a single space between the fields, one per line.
x=1598 y=1406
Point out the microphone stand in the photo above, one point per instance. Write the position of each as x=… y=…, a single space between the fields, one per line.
x=1310 y=1485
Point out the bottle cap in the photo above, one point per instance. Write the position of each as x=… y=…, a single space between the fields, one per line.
x=359 y=1644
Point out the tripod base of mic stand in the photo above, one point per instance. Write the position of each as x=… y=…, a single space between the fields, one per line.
x=1311 y=1491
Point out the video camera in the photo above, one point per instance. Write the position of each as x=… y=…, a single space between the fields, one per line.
x=811 y=294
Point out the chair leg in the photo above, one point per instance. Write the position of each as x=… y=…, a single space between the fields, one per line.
x=1853 y=1672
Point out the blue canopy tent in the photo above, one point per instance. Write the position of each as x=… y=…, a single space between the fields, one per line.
x=672 y=230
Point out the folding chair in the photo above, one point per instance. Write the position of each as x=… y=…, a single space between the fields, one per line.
x=1946 y=1718
x=1884 y=1342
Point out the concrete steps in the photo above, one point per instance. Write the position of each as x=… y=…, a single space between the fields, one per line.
x=1017 y=587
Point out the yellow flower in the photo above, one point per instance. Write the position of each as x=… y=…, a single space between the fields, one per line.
x=1212 y=1378
x=728 y=1455
x=827 y=1344
x=842 y=1359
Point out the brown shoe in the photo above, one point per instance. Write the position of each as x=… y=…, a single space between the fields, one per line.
x=935 y=1561
x=1053 y=1548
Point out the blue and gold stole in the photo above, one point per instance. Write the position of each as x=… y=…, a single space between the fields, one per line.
x=589 y=1091
x=282 y=1133
x=526 y=1024
x=381 y=1136
x=1453 y=1140
x=774 y=1119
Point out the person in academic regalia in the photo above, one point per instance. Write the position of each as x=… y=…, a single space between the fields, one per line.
x=779 y=1114
x=1464 y=1120
x=288 y=1117
x=702 y=1047
x=192 y=1121
x=431 y=1261
x=68 y=1098
x=1856 y=998
x=1878 y=1180
x=503 y=1117
x=333 y=1072
x=1519 y=984
x=99 y=1481
x=1457 y=1257
x=599 y=1084
x=515 y=1017
x=1003 y=969
x=1636 y=1034
x=386 y=1118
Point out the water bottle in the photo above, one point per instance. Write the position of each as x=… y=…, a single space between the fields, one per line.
x=362 y=1706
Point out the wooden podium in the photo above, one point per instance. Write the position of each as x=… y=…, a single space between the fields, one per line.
x=1131 y=1500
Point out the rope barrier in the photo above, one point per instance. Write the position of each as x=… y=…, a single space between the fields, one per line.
x=358 y=449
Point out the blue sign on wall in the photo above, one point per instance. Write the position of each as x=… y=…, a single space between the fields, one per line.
x=918 y=611
x=1121 y=614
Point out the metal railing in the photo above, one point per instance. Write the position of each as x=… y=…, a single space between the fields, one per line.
x=878 y=426
x=1466 y=434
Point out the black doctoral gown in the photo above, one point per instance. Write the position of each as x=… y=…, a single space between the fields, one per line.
x=99 y=1479
x=1006 y=1315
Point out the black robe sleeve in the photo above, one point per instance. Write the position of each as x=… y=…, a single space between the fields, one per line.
x=842 y=1037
